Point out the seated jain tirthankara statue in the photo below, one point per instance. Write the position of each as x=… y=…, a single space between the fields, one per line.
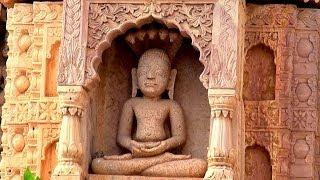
x=149 y=143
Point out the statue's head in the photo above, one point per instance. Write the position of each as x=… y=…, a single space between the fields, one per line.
x=154 y=74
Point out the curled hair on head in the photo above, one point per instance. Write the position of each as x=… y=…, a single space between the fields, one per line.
x=156 y=54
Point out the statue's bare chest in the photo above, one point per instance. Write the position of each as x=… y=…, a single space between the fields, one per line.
x=151 y=112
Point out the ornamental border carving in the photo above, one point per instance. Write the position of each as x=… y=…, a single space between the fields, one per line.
x=271 y=15
x=308 y=19
x=268 y=38
x=81 y=53
x=108 y=20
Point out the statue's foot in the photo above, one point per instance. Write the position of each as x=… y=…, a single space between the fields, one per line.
x=174 y=157
x=118 y=157
x=179 y=168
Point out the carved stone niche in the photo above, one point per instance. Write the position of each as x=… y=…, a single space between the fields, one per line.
x=115 y=87
x=259 y=88
x=257 y=163
x=259 y=74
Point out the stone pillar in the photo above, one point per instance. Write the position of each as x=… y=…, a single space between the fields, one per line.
x=70 y=147
x=220 y=151
x=225 y=152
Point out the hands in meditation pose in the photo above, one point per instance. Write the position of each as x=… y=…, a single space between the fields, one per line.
x=150 y=144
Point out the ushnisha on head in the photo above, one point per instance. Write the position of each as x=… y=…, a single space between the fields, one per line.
x=154 y=73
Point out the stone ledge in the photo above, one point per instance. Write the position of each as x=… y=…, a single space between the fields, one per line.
x=117 y=177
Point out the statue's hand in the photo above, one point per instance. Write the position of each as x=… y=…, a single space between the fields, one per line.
x=147 y=149
x=156 y=150
x=137 y=145
x=136 y=148
x=149 y=145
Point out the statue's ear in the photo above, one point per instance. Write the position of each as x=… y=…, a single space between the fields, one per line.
x=134 y=82
x=170 y=86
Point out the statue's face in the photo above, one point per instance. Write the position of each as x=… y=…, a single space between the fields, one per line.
x=153 y=76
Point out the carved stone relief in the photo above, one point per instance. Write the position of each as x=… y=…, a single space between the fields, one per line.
x=186 y=17
x=283 y=119
x=272 y=118
x=30 y=120
x=271 y=16
x=261 y=114
x=108 y=20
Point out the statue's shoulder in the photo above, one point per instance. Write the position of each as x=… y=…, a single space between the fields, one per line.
x=132 y=101
x=173 y=103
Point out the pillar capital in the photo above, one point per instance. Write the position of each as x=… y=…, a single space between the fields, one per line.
x=222 y=102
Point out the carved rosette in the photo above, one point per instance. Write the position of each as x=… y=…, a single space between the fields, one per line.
x=69 y=149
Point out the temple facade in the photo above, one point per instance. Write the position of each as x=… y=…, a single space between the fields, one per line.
x=244 y=73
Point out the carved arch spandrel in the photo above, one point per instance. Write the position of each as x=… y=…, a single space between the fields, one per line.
x=269 y=39
x=107 y=21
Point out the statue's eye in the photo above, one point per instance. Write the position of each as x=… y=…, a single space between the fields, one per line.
x=142 y=72
x=161 y=74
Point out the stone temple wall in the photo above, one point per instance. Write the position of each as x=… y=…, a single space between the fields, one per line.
x=276 y=84
x=30 y=117
x=281 y=101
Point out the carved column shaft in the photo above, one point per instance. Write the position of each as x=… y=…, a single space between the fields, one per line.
x=70 y=149
x=220 y=153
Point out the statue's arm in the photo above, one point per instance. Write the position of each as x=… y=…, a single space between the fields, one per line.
x=178 y=130
x=125 y=125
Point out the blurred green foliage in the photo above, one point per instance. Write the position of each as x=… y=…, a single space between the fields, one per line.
x=27 y=175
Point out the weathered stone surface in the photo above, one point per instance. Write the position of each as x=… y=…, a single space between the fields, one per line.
x=111 y=177
x=30 y=118
x=142 y=126
x=249 y=96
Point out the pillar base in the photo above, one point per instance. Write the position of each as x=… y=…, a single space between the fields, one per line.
x=67 y=170
x=219 y=173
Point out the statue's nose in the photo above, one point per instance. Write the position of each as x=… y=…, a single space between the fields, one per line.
x=150 y=75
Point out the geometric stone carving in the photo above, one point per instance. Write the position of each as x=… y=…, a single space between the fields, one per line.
x=295 y=86
x=30 y=119
x=304 y=47
x=301 y=149
x=261 y=114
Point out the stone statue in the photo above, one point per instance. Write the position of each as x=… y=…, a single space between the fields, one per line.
x=150 y=142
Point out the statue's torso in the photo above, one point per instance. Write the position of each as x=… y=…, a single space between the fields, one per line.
x=151 y=117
